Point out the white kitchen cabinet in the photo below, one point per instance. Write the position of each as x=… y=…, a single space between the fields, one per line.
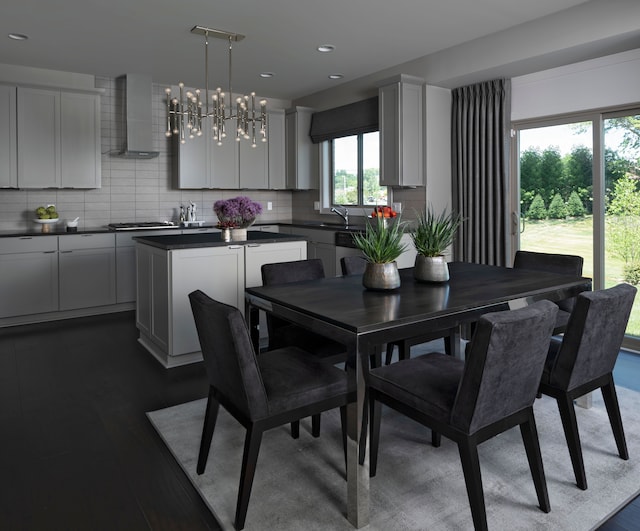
x=8 y=138
x=28 y=275
x=80 y=159
x=201 y=163
x=301 y=154
x=401 y=131
x=164 y=281
x=87 y=271
x=276 y=150
x=58 y=139
x=253 y=165
x=38 y=138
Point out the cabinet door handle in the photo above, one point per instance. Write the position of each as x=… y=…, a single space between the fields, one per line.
x=65 y=252
x=235 y=246
x=253 y=245
x=48 y=252
x=26 y=237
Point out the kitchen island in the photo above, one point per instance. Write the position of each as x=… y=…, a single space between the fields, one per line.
x=169 y=267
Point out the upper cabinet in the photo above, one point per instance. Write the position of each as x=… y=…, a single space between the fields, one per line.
x=302 y=154
x=58 y=139
x=200 y=163
x=276 y=150
x=401 y=131
x=8 y=138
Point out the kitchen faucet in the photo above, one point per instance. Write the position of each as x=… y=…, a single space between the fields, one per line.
x=344 y=215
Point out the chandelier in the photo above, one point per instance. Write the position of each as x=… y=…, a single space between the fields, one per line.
x=186 y=114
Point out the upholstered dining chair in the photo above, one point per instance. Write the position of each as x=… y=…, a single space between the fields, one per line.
x=583 y=361
x=284 y=334
x=473 y=401
x=260 y=392
x=564 y=264
x=355 y=265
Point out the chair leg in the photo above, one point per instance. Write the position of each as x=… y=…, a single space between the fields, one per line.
x=532 y=447
x=315 y=425
x=570 y=427
x=249 y=460
x=390 y=347
x=473 y=480
x=210 y=418
x=613 y=410
x=295 y=429
x=375 y=411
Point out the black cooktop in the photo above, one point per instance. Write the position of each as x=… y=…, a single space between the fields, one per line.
x=134 y=225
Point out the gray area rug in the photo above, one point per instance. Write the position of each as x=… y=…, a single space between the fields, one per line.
x=300 y=484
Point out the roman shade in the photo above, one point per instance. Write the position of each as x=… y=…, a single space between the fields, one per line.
x=347 y=120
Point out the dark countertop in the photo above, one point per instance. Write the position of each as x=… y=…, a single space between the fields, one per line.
x=59 y=229
x=212 y=239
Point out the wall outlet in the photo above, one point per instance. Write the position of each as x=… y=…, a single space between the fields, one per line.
x=316 y=205
x=269 y=205
x=397 y=207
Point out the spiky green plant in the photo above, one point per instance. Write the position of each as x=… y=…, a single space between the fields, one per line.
x=381 y=241
x=434 y=233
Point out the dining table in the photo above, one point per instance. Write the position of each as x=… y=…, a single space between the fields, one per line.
x=364 y=320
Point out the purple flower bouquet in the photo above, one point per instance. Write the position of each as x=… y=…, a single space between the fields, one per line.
x=238 y=212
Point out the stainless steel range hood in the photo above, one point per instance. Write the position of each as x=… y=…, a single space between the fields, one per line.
x=137 y=112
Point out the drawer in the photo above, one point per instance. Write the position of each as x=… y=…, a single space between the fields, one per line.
x=74 y=242
x=28 y=244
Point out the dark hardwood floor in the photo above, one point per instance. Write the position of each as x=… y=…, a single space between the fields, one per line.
x=77 y=451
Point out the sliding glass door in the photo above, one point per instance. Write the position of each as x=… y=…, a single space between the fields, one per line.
x=577 y=191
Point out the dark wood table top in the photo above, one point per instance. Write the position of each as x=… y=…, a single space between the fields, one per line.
x=473 y=289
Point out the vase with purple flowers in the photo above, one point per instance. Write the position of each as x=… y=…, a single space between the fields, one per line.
x=236 y=214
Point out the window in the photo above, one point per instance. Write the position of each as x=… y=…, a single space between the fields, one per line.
x=355 y=171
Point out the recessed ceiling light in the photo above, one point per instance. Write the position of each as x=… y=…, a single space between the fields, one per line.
x=267 y=74
x=325 y=48
x=336 y=76
x=18 y=36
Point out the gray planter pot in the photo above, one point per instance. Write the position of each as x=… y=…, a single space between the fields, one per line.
x=381 y=276
x=431 y=269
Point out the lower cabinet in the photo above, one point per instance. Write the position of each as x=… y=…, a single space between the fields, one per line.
x=165 y=279
x=87 y=273
x=28 y=275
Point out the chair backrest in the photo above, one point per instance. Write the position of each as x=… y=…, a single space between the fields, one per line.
x=229 y=357
x=593 y=337
x=283 y=273
x=504 y=365
x=564 y=264
x=353 y=265
x=296 y=271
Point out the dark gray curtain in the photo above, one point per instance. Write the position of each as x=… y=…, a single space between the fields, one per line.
x=480 y=170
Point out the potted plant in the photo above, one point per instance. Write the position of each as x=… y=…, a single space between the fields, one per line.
x=235 y=215
x=433 y=234
x=381 y=243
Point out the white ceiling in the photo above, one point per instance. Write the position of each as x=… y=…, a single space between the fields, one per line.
x=115 y=37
